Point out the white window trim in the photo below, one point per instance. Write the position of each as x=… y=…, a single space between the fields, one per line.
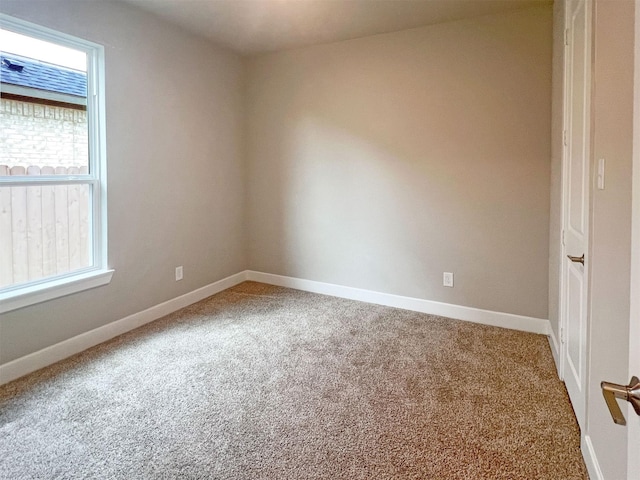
x=59 y=287
x=99 y=273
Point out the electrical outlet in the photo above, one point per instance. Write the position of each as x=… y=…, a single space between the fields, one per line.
x=447 y=279
x=179 y=273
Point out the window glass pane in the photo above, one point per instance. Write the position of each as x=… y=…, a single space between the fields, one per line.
x=44 y=231
x=52 y=231
x=43 y=107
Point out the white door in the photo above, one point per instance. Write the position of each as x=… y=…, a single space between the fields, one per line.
x=576 y=203
x=633 y=420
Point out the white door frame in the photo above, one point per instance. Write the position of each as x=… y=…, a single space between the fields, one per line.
x=563 y=196
x=564 y=270
x=633 y=420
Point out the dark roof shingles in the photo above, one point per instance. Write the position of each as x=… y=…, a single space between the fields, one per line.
x=43 y=76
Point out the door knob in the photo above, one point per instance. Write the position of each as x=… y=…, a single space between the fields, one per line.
x=630 y=393
x=577 y=259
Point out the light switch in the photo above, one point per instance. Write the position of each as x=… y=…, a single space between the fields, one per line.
x=601 y=174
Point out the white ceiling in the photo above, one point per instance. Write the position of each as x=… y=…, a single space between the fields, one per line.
x=256 y=26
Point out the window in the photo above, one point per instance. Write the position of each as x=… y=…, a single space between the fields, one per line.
x=53 y=236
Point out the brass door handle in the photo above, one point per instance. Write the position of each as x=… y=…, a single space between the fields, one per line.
x=630 y=393
x=576 y=259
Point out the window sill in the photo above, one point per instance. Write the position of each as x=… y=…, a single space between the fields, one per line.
x=33 y=294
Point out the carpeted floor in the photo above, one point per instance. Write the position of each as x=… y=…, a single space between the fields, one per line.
x=261 y=382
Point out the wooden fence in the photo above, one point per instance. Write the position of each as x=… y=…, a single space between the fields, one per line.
x=44 y=230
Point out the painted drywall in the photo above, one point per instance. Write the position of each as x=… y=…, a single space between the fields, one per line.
x=557 y=147
x=382 y=162
x=175 y=168
x=611 y=226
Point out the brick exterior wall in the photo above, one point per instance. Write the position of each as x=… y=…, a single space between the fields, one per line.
x=42 y=135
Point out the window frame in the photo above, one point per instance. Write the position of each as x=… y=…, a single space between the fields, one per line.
x=36 y=291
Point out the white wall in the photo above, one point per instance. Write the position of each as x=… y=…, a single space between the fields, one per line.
x=376 y=163
x=175 y=168
x=381 y=162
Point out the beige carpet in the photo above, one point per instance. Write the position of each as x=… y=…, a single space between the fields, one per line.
x=260 y=382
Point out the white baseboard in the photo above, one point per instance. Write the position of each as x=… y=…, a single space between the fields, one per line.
x=555 y=350
x=47 y=356
x=590 y=459
x=476 y=315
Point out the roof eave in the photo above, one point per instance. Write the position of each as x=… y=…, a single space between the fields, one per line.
x=37 y=93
